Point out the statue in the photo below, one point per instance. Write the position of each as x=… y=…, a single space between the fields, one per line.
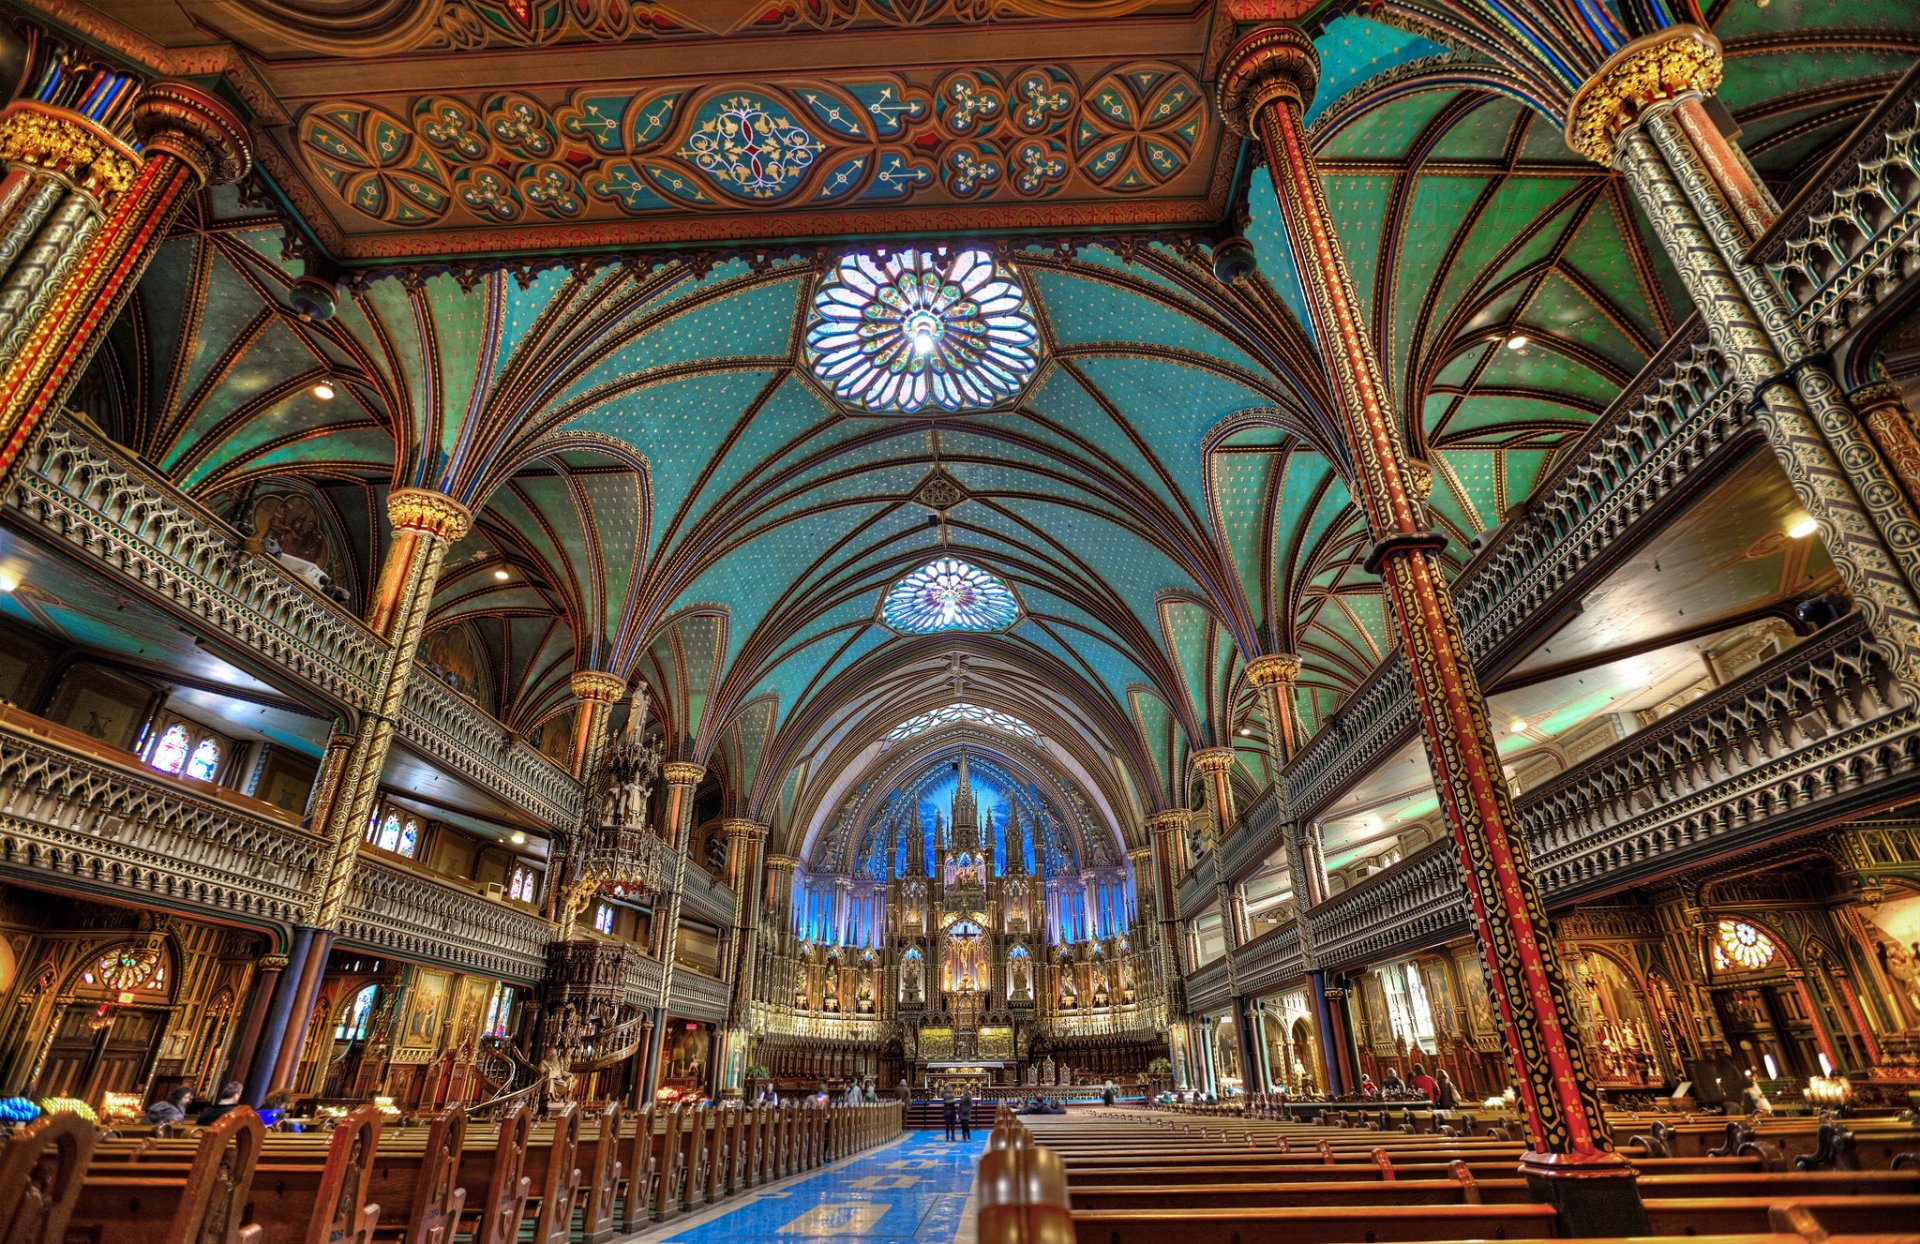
x=1019 y=978
x=632 y=766
x=556 y=1071
x=910 y=974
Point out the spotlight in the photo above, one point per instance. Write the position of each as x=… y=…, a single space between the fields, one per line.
x=1802 y=527
x=1516 y=725
x=503 y=575
x=518 y=838
x=1517 y=342
x=323 y=391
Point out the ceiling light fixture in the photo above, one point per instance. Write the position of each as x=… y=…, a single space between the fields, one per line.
x=323 y=391
x=1517 y=342
x=1802 y=527
x=1245 y=730
x=503 y=574
x=518 y=838
x=1517 y=725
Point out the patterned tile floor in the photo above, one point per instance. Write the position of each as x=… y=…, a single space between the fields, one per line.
x=915 y=1189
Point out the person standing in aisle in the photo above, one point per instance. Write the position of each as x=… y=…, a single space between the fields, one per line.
x=948 y=1113
x=966 y=1115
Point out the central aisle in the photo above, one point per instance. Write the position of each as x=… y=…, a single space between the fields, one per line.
x=913 y=1189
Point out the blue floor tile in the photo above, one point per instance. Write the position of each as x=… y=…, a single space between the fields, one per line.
x=914 y=1189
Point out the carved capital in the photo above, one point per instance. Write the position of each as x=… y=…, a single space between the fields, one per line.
x=1139 y=855
x=1172 y=821
x=1674 y=62
x=783 y=861
x=271 y=963
x=54 y=141
x=1420 y=477
x=190 y=125
x=1273 y=668
x=682 y=773
x=435 y=513
x=1272 y=64
x=1876 y=394
x=1213 y=759
x=596 y=687
x=741 y=827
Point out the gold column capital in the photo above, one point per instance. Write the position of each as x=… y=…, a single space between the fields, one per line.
x=56 y=141
x=1273 y=669
x=598 y=687
x=742 y=827
x=1172 y=820
x=435 y=513
x=187 y=123
x=682 y=773
x=1673 y=62
x=1139 y=855
x=1213 y=759
x=1268 y=64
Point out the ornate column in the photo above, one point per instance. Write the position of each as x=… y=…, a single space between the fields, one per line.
x=1273 y=676
x=1265 y=84
x=1883 y=409
x=1215 y=764
x=1167 y=831
x=1644 y=112
x=425 y=525
x=188 y=140
x=682 y=778
x=597 y=692
x=745 y=841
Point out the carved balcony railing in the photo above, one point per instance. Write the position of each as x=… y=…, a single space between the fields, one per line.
x=100 y=504
x=1208 y=987
x=780 y=1021
x=77 y=816
x=1270 y=960
x=706 y=897
x=1417 y=902
x=1852 y=232
x=436 y=920
x=696 y=995
x=1814 y=736
x=456 y=733
x=90 y=498
x=1642 y=456
x=1138 y=1020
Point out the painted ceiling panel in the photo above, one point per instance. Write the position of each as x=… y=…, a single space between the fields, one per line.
x=1082 y=310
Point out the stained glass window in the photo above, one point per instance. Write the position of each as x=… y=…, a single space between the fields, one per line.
x=1741 y=947
x=409 y=837
x=499 y=1012
x=170 y=753
x=900 y=332
x=127 y=968
x=356 y=1016
x=603 y=918
x=205 y=762
x=934 y=718
x=521 y=885
x=947 y=594
x=389 y=839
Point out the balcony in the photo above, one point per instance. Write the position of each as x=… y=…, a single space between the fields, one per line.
x=695 y=995
x=1208 y=987
x=94 y=819
x=1270 y=961
x=105 y=509
x=437 y=920
x=706 y=897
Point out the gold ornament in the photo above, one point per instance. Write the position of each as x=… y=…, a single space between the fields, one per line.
x=1674 y=62
x=1274 y=62
x=682 y=773
x=435 y=513
x=1213 y=759
x=188 y=124
x=1173 y=820
x=740 y=827
x=1275 y=667
x=596 y=687
x=56 y=142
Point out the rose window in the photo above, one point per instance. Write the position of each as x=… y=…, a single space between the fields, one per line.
x=947 y=594
x=1743 y=947
x=901 y=332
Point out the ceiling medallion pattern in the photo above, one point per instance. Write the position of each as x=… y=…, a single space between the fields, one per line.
x=961 y=711
x=896 y=334
x=948 y=594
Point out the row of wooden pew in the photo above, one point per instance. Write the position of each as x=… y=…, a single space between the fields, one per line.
x=1123 y=1177
x=565 y=1179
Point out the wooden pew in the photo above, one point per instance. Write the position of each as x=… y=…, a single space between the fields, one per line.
x=637 y=1171
x=714 y=1186
x=555 y=1176
x=417 y=1183
x=694 y=1125
x=298 y=1201
x=1314 y=1224
x=204 y=1204
x=670 y=1163
x=41 y=1170
x=495 y=1177
x=598 y=1158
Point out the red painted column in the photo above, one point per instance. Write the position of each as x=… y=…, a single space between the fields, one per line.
x=1265 y=85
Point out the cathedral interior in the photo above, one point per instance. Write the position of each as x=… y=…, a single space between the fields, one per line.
x=669 y=562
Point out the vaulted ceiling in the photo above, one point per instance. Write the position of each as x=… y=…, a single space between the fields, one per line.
x=665 y=491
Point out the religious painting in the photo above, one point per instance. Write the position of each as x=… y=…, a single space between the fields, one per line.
x=426 y=1010
x=555 y=739
x=1893 y=933
x=286 y=780
x=292 y=520
x=689 y=1049
x=102 y=705
x=449 y=653
x=463 y=1029
x=1479 y=1002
